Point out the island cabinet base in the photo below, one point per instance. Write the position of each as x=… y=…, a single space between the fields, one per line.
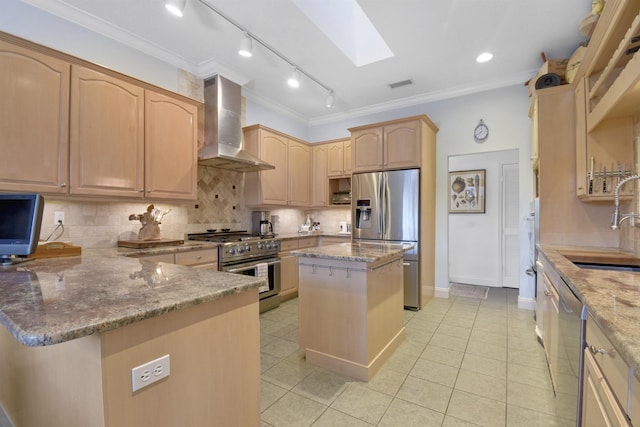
x=351 y=314
x=214 y=376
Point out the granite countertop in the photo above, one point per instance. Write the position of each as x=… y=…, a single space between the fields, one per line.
x=49 y=301
x=611 y=297
x=303 y=234
x=358 y=252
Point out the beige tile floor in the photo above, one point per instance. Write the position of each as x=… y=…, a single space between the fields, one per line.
x=465 y=362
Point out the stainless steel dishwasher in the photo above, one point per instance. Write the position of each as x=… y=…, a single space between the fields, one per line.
x=571 y=342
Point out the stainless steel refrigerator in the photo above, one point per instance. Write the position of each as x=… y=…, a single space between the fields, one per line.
x=385 y=207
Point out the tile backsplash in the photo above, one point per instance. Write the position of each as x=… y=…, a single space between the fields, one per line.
x=220 y=204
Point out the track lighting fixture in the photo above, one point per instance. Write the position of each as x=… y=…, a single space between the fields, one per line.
x=294 y=80
x=175 y=6
x=331 y=98
x=246 y=46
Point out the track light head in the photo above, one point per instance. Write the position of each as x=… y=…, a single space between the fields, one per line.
x=246 y=47
x=176 y=7
x=294 y=80
x=331 y=98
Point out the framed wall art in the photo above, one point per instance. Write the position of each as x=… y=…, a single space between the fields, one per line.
x=466 y=191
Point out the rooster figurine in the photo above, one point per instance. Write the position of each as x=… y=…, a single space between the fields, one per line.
x=150 y=221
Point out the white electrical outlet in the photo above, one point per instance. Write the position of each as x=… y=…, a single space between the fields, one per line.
x=58 y=218
x=149 y=373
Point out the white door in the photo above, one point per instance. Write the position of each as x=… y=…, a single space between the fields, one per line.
x=510 y=225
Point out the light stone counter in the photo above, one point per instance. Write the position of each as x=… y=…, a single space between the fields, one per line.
x=356 y=251
x=50 y=301
x=612 y=297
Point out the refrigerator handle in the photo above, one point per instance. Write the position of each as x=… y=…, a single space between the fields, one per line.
x=383 y=204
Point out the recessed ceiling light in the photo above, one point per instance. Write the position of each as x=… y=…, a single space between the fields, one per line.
x=484 y=57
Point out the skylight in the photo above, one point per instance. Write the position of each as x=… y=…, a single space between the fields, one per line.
x=348 y=27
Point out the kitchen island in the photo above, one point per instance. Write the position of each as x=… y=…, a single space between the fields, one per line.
x=351 y=309
x=74 y=327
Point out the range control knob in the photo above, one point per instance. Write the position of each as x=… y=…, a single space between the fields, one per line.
x=240 y=250
x=231 y=251
x=268 y=245
x=248 y=248
x=260 y=246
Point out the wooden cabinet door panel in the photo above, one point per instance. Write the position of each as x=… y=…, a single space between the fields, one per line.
x=273 y=183
x=348 y=162
x=335 y=163
x=367 y=150
x=402 y=145
x=34 y=121
x=171 y=168
x=299 y=170
x=107 y=135
x=319 y=180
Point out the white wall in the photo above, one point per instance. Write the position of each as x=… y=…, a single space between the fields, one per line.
x=475 y=240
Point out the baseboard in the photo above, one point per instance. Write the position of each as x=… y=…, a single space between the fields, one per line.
x=527 y=303
x=441 y=292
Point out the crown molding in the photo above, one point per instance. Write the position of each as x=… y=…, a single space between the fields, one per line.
x=99 y=26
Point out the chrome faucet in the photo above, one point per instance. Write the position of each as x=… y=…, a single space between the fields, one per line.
x=617 y=218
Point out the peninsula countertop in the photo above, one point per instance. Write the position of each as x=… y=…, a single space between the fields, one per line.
x=356 y=251
x=49 y=301
x=612 y=297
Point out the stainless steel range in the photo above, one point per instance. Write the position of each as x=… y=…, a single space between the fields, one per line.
x=243 y=253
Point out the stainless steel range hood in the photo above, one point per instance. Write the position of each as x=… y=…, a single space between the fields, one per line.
x=223 y=129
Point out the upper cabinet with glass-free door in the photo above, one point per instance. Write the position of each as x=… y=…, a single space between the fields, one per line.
x=396 y=144
x=34 y=120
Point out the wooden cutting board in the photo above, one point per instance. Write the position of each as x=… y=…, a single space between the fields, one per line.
x=55 y=249
x=141 y=244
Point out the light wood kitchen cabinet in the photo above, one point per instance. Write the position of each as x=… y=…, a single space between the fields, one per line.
x=288 y=269
x=564 y=218
x=319 y=180
x=339 y=154
x=298 y=173
x=606 y=101
x=551 y=315
x=391 y=145
x=107 y=135
x=607 y=388
x=203 y=258
x=34 y=121
x=170 y=154
x=287 y=184
x=72 y=127
x=289 y=264
x=267 y=187
x=634 y=412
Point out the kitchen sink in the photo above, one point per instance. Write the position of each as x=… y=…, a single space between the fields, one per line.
x=615 y=267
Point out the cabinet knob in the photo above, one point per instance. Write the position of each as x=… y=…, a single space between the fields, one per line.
x=199 y=257
x=63 y=185
x=141 y=190
x=547 y=293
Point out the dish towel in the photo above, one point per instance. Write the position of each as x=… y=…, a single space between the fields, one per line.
x=262 y=270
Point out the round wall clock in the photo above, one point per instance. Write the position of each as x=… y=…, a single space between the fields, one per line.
x=481 y=132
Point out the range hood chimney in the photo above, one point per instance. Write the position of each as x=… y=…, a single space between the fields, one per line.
x=223 y=129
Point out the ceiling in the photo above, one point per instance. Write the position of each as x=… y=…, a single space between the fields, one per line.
x=434 y=43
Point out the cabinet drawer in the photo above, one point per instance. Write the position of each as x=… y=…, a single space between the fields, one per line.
x=206 y=256
x=288 y=245
x=334 y=240
x=613 y=368
x=308 y=242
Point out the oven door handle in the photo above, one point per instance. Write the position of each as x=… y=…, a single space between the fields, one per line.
x=250 y=267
